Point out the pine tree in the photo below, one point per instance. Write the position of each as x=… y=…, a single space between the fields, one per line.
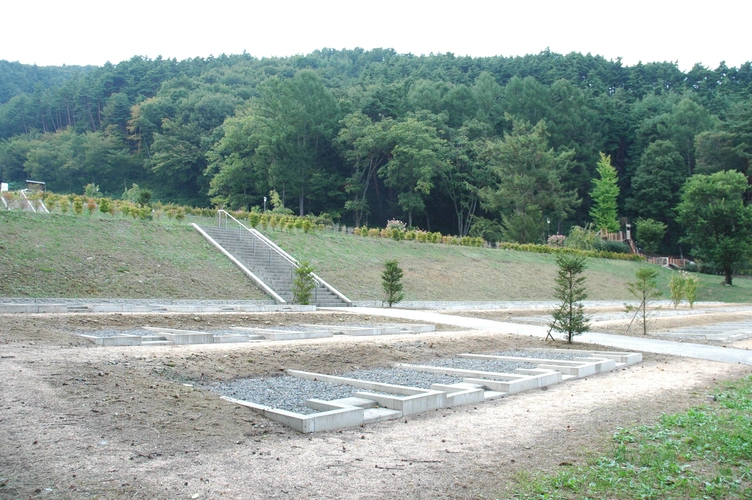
x=569 y=317
x=303 y=284
x=604 y=195
x=391 y=280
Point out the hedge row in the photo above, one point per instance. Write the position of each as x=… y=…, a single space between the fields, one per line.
x=533 y=248
x=419 y=236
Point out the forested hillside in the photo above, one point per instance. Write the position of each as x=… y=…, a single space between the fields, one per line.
x=498 y=146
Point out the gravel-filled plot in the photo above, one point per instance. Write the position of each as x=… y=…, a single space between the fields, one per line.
x=290 y=393
x=500 y=365
x=402 y=376
x=283 y=393
x=562 y=356
x=485 y=365
x=116 y=333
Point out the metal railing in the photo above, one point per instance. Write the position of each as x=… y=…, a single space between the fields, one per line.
x=223 y=220
x=27 y=201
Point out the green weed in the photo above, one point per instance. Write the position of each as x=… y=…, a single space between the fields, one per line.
x=705 y=452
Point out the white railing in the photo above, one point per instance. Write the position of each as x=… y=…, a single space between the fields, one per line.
x=27 y=201
x=248 y=272
x=224 y=217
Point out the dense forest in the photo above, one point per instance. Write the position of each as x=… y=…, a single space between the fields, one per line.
x=505 y=146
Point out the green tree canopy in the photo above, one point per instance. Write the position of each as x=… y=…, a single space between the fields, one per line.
x=604 y=195
x=717 y=222
x=528 y=178
x=418 y=156
x=656 y=184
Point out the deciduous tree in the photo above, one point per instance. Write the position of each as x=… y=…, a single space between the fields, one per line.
x=716 y=221
x=604 y=196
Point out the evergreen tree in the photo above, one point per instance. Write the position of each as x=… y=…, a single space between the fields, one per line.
x=303 y=284
x=569 y=317
x=391 y=280
x=604 y=195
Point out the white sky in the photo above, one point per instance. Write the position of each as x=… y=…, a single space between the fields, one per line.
x=79 y=32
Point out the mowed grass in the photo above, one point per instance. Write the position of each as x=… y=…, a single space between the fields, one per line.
x=353 y=265
x=97 y=256
x=65 y=256
x=705 y=452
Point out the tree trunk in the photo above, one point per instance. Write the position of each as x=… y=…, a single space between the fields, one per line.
x=729 y=275
x=300 y=205
x=378 y=197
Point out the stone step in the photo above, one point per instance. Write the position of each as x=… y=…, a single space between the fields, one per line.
x=274 y=270
x=373 y=415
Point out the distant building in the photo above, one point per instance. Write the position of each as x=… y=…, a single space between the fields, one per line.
x=35 y=185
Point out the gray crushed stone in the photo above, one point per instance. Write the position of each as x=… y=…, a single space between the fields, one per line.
x=403 y=376
x=486 y=365
x=283 y=393
x=290 y=393
x=562 y=356
x=116 y=333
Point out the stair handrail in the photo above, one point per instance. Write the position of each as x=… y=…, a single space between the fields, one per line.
x=282 y=253
x=289 y=258
x=27 y=200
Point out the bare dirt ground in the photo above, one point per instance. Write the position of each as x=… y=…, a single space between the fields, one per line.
x=81 y=421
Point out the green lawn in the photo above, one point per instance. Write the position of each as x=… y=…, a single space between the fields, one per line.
x=97 y=256
x=65 y=256
x=353 y=264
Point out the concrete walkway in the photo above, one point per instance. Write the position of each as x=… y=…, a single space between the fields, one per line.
x=686 y=349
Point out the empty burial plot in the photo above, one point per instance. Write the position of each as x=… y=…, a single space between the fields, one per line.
x=311 y=402
x=155 y=336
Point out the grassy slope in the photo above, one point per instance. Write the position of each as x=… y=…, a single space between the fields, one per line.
x=354 y=264
x=66 y=256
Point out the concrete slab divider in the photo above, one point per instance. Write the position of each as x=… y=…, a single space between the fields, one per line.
x=579 y=367
x=505 y=382
x=285 y=334
x=120 y=340
x=336 y=418
x=628 y=358
x=408 y=400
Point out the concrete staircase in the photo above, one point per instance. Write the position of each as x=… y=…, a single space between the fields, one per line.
x=272 y=266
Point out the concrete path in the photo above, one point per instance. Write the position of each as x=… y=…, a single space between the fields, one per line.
x=686 y=349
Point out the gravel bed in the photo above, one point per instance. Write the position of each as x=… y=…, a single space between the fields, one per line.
x=283 y=393
x=290 y=393
x=563 y=356
x=402 y=376
x=115 y=333
x=282 y=328
x=486 y=365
